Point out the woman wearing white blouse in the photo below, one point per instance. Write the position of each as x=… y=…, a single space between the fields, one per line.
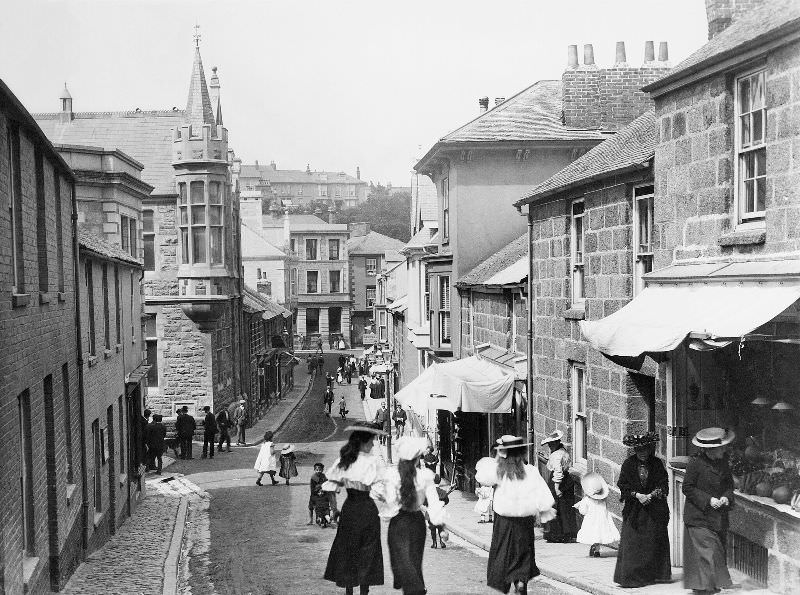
x=405 y=491
x=520 y=496
x=356 y=556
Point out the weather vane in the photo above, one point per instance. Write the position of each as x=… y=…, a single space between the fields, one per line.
x=196 y=36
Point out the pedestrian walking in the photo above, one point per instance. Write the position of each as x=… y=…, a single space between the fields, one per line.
x=318 y=501
x=431 y=460
x=348 y=373
x=209 y=433
x=521 y=495
x=340 y=376
x=319 y=345
x=406 y=490
x=382 y=420
x=224 y=424
x=708 y=487
x=643 y=557
x=564 y=527
x=598 y=527
x=327 y=401
x=439 y=534
x=356 y=556
x=155 y=434
x=399 y=416
x=265 y=461
x=343 y=411
x=362 y=387
x=240 y=419
x=484 y=504
x=288 y=464
x=185 y=427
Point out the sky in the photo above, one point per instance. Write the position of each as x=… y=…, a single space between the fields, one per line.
x=332 y=84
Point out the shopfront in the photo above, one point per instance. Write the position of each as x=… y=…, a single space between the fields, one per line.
x=729 y=349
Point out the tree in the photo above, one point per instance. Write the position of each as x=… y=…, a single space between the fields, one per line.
x=386 y=213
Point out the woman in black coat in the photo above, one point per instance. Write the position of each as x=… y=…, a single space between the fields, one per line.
x=643 y=557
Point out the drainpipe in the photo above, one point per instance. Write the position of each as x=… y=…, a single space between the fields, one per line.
x=531 y=365
x=79 y=352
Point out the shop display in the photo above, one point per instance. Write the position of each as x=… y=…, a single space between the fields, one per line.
x=771 y=474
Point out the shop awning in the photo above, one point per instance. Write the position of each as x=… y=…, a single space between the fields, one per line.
x=663 y=315
x=399 y=305
x=469 y=384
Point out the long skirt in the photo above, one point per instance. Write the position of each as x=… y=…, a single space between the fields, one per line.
x=406 y=546
x=704 y=564
x=356 y=556
x=511 y=556
x=563 y=528
x=643 y=556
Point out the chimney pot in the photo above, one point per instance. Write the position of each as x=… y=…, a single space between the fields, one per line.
x=256 y=162
x=649 y=52
x=620 y=53
x=498 y=100
x=663 y=52
x=483 y=104
x=572 y=56
x=358 y=173
x=588 y=55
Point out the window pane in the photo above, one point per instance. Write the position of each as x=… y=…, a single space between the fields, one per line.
x=745 y=126
x=214 y=196
x=757 y=91
x=199 y=244
x=580 y=397
x=149 y=254
x=184 y=246
x=748 y=203
x=147 y=221
x=744 y=96
x=182 y=193
x=761 y=191
x=579 y=239
x=215 y=215
x=758 y=130
x=152 y=361
x=197 y=196
x=761 y=162
x=216 y=245
x=184 y=216
x=198 y=215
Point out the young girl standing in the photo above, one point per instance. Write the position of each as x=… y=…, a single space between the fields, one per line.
x=288 y=465
x=265 y=462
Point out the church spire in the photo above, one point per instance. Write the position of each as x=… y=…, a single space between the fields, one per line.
x=198 y=106
x=216 y=104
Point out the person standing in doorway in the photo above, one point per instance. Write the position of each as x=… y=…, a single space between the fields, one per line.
x=240 y=419
x=185 y=426
x=224 y=424
x=564 y=528
x=155 y=435
x=209 y=432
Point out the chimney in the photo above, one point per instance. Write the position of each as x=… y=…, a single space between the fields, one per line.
x=498 y=100
x=287 y=232
x=588 y=55
x=331 y=215
x=358 y=230
x=649 y=52
x=572 y=56
x=483 y=104
x=273 y=166
x=256 y=162
x=66 y=106
x=620 y=61
x=308 y=168
x=663 y=52
x=358 y=173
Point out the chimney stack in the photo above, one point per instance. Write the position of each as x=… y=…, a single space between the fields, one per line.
x=621 y=60
x=498 y=100
x=588 y=55
x=663 y=52
x=66 y=106
x=273 y=166
x=358 y=173
x=649 y=52
x=256 y=162
x=572 y=56
x=483 y=104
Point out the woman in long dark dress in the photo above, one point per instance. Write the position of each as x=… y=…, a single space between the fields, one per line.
x=356 y=556
x=643 y=557
x=521 y=495
x=563 y=528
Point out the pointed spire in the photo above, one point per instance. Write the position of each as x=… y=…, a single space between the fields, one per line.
x=214 y=91
x=198 y=106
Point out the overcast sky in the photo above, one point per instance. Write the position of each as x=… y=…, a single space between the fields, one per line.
x=334 y=84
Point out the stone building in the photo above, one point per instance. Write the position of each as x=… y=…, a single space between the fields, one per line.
x=42 y=473
x=190 y=237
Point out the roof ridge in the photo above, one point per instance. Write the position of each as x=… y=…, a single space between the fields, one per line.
x=137 y=112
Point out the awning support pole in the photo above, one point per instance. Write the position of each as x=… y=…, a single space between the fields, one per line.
x=529 y=310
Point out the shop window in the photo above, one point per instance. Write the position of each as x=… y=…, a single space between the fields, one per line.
x=444 y=310
x=751 y=152
x=312 y=281
x=148 y=239
x=334 y=320
x=576 y=241
x=370 y=297
x=312 y=321
x=643 y=234
x=333 y=249
x=311 y=249
x=579 y=425
x=372 y=266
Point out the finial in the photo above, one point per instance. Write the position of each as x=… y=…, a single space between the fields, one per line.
x=196 y=36
x=214 y=69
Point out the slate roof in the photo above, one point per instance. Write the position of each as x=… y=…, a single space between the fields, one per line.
x=628 y=149
x=533 y=114
x=295 y=176
x=145 y=135
x=496 y=263
x=751 y=29
x=102 y=248
x=257 y=302
x=255 y=246
x=421 y=238
x=198 y=105
x=373 y=243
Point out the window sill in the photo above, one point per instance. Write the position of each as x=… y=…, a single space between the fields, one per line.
x=62 y=296
x=743 y=237
x=71 y=487
x=575 y=313
x=92 y=360
x=44 y=297
x=20 y=300
x=107 y=353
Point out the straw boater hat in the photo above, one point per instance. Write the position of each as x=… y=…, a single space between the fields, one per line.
x=509 y=441
x=554 y=436
x=365 y=426
x=409 y=448
x=594 y=486
x=242 y=401
x=713 y=437
x=637 y=440
x=287 y=449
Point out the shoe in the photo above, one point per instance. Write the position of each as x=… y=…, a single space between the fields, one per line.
x=258 y=482
x=275 y=482
x=434 y=546
x=442 y=545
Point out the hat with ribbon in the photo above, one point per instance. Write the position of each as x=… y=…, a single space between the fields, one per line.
x=554 y=436
x=637 y=440
x=713 y=437
x=365 y=426
x=410 y=448
x=287 y=449
x=594 y=486
x=508 y=441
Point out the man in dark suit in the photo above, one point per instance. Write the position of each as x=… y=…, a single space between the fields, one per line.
x=185 y=426
x=209 y=432
x=154 y=436
x=224 y=423
x=362 y=387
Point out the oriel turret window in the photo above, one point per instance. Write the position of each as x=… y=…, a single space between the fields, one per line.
x=201 y=220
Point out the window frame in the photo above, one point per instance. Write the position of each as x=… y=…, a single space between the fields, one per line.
x=577 y=384
x=642 y=259
x=88 y=274
x=426 y=296
x=330 y=281
x=188 y=227
x=444 y=316
x=316 y=282
x=755 y=218
x=151 y=340
x=149 y=240
x=15 y=208
x=371 y=266
x=316 y=249
x=446 y=209
x=293 y=282
x=577 y=269
x=367 y=300
x=331 y=243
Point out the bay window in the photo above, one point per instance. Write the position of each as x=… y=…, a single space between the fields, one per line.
x=201 y=221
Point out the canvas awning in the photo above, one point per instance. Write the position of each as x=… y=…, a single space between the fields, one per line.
x=662 y=316
x=399 y=305
x=469 y=384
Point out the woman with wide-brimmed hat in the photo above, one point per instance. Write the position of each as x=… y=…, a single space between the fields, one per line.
x=708 y=487
x=356 y=556
x=563 y=528
x=521 y=495
x=405 y=492
x=643 y=557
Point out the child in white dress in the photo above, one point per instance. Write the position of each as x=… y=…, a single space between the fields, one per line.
x=598 y=527
x=484 y=503
x=266 y=462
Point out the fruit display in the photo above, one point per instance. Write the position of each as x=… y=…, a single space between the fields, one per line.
x=768 y=474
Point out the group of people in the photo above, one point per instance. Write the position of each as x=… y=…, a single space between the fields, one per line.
x=269 y=461
x=373 y=387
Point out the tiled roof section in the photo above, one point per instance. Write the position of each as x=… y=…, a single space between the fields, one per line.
x=532 y=114
x=751 y=29
x=102 y=248
x=629 y=148
x=198 y=105
x=373 y=243
x=255 y=246
x=496 y=262
x=295 y=176
x=145 y=136
x=257 y=302
x=421 y=238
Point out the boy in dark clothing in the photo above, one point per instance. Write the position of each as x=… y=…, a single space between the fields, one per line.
x=224 y=424
x=155 y=433
x=327 y=401
x=209 y=432
x=318 y=501
x=185 y=426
